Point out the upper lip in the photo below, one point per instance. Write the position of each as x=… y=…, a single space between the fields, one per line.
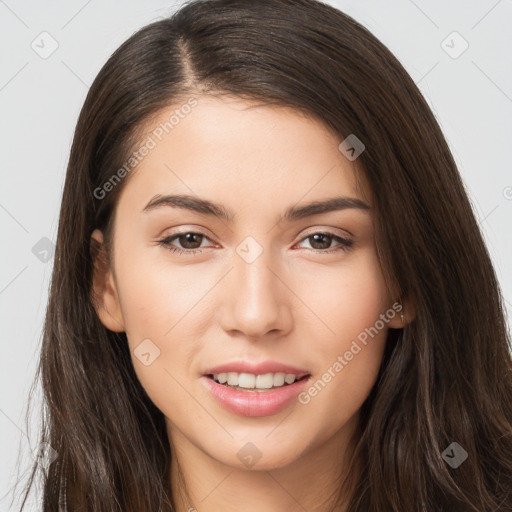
x=256 y=368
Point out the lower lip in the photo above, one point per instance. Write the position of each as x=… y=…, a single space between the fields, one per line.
x=255 y=403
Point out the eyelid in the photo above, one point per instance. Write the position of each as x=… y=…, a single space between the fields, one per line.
x=330 y=230
x=190 y=228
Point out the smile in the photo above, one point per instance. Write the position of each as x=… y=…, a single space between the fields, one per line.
x=250 y=381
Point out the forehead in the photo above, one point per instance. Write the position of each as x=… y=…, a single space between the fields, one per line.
x=245 y=155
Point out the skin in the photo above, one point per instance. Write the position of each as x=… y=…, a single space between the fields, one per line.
x=291 y=304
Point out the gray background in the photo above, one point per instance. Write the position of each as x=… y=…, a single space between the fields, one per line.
x=40 y=98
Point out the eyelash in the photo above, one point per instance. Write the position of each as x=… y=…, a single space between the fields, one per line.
x=345 y=243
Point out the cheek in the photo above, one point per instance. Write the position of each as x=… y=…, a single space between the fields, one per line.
x=348 y=358
x=164 y=317
x=155 y=294
x=347 y=299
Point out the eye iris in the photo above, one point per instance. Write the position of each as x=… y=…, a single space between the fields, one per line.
x=188 y=239
x=319 y=236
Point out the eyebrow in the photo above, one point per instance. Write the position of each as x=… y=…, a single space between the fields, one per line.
x=293 y=213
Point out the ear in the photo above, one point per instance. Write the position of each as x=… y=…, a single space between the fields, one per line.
x=103 y=291
x=403 y=314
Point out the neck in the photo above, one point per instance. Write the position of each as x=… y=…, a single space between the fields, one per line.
x=312 y=482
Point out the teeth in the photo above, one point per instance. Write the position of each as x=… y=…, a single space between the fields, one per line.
x=251 y=381
x=232 y=379
x=289 y=378
x=247 y=380
x=278 y=379
x=265 y=381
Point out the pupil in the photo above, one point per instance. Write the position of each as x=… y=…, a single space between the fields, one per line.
x=189 y=240
x=324 y=245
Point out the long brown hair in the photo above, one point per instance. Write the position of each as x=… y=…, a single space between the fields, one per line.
x=446 y=377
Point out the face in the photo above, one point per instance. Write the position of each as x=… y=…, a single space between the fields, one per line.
x=252 y=286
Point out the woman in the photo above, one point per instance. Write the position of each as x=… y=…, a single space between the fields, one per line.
x=270 y=291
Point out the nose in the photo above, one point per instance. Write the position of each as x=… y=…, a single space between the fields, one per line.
x=256 y=301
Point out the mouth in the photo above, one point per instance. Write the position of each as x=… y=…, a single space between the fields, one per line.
x=255 y=395
x=255 y=389
x=251 y=382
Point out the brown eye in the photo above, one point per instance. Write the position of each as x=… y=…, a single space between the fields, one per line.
x=321 y=242
x=190 y=240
